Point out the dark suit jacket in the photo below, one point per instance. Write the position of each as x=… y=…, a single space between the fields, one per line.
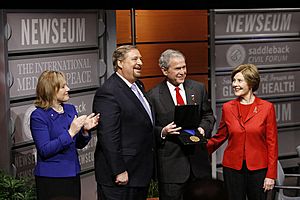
x=175 y=160
x=125 y=135
x=256 y=137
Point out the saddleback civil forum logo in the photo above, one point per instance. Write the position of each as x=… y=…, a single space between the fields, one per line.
x=235 y=55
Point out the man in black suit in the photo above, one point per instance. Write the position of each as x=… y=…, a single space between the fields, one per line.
x=179 y=164
x=124 y=152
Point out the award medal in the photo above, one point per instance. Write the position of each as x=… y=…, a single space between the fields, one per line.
x=194 y=138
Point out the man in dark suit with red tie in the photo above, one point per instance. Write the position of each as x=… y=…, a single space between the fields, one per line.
x=124 y=154
x=179 y=164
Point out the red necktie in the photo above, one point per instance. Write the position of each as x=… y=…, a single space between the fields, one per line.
x=179 y=98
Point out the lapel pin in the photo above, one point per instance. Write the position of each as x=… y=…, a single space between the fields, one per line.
x=255 y=110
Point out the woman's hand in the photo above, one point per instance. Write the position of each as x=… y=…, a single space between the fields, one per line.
x=76 y=125
x=91 y=121
x=269 y=184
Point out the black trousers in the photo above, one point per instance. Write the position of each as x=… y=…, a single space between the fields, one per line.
x=121 y=192
x=242 y=183
x=175 y=191
x=66 y=188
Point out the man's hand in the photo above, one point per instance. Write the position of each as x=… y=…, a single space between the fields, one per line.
x=201 y=131
x=122 y=179
x=170 y=129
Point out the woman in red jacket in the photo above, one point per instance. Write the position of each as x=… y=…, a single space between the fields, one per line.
x=249 y=125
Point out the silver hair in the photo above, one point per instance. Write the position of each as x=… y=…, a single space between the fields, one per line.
x=165 y=57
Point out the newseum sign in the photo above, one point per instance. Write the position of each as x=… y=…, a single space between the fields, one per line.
x=51 y=30
x=256 y=23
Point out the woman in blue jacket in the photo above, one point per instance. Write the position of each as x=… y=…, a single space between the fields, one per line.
x=57 y=132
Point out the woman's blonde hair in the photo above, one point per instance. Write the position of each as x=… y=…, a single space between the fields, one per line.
x=47 y=87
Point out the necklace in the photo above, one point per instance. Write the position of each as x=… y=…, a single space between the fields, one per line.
x=60 y=109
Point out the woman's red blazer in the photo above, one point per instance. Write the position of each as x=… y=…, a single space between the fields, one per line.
x=256 y=137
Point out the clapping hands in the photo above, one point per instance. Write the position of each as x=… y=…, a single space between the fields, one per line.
x=87 y=122
x=76 y=125
x=91 y=121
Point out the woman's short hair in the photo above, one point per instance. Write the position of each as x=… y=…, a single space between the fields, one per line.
x=166 y=56
x=47 y=87
x=119 y=54
x=250 y=73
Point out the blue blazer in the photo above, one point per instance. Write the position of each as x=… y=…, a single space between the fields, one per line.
x=57 y=154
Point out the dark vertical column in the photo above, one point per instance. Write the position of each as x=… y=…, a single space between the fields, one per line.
x=212 y=78
x=5 y=152
x=133 y=28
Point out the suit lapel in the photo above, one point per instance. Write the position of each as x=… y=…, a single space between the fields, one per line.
x=132 y=97
x=191 y=95
x=141 y=86
x=165 y=96
x=255 y=108
x=236 y=111
x=151 y=107
x=126 y=90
